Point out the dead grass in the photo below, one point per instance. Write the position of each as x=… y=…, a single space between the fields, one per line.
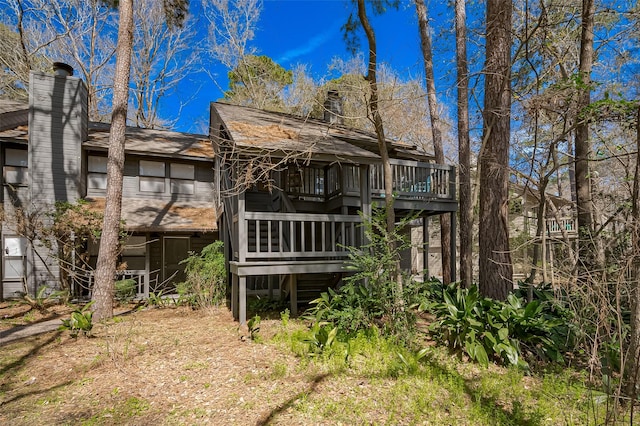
x=178 y=366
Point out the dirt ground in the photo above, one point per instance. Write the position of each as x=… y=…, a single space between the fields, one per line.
x=154 y=366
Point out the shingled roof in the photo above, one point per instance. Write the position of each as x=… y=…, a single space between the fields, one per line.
x=255 y=131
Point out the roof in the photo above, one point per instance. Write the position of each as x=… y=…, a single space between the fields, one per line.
x=147 y=215
x=163 y=143
x=13 y=114
x=258 y=131
x=160 y=143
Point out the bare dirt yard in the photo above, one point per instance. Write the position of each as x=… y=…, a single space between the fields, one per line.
x=155 y=366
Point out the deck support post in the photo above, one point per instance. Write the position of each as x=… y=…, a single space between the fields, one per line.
x=453 y=247
x=242 y=281
x=425 y=248
x=234 y=296
x=293 y=293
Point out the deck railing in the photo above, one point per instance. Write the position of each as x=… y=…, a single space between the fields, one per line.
x=556 y=226
x=415 y=180
x=300 y=235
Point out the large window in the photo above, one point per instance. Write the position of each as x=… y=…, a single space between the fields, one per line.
x=152 y=176
x=182 y=178
x=14 y=255
x=97 y=177
x=15 y=166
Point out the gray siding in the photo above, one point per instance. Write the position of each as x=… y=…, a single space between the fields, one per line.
x=57 y=127
x=203 y=184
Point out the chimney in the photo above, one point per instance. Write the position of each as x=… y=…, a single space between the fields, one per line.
x=333 y=108
x=58 y=124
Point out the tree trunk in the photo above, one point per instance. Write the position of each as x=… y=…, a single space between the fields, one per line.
x=464 y=151
x=382 y=147
x=586 y=247
x=103 y=287
x=496 y=270
x=632 y=363
x=436 y=129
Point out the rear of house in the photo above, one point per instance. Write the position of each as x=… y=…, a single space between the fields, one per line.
x=51 y=154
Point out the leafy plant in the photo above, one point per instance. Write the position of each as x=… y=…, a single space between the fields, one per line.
x=45 y=297
x=81 y=320
x=489 y=330
x=284 y=317
x=369 y=296
x=125 y=290
x=206 y=277
x=254 y=327
x=321 y=339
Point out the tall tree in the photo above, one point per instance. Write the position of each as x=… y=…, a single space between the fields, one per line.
x=436 y=128
x=258 y=81
x=162 y=57
x=582 y=145
x=464 y=151
x=103 y=289
x=495 y=260
x=376 y=119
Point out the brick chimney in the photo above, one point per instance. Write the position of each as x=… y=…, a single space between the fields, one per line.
x=333 y=108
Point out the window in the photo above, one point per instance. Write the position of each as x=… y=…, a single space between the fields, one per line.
x=134 y=252
x=152 y=176
x=14 y=254
x=15 y=166
x=182 y=178
x=97 y=176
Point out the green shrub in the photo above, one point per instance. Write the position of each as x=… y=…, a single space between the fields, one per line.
x=125 y=290
x=206 y=277
x=369 y=297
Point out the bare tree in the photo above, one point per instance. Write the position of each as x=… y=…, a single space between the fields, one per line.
x=162 y=57
x=376 y=118
x=436 y=128
x=495 y=261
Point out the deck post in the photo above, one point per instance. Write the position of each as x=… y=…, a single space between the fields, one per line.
x=234 y=295
x=243 y=299
x=453 y=247
x=425 y=247
x=147 y=265
x=293 y=292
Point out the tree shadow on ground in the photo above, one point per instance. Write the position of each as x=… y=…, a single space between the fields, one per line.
x=518 y=414
x=15 y=365
x=270 y=416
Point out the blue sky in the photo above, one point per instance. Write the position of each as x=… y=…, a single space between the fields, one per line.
x=309 y=32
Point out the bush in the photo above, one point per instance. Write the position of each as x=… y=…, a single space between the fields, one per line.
x=490 y=330
x=125 y=290
x=206 y=277
x=370 y=296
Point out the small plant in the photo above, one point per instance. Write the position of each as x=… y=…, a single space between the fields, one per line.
x=45 y=297
x=81 y=320
x=125 y=290
x=158 y=299
x=284 y=317
x=321 y=340
x=254 y=327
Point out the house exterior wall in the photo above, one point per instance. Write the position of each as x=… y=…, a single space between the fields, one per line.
x=203 y=180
